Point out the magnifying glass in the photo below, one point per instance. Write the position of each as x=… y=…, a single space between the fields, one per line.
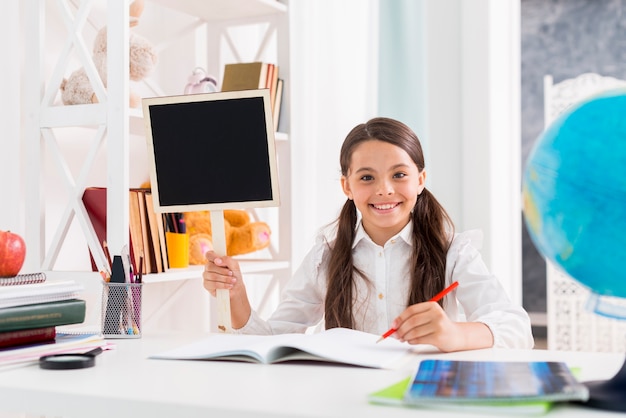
x=69 y=361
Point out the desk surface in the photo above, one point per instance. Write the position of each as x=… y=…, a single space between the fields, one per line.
x=126 y=383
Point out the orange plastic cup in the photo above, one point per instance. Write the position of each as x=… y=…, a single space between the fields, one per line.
x=177 y=249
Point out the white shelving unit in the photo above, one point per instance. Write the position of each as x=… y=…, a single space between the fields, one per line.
x=221 y=31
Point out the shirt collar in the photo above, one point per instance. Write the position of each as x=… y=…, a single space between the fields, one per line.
x=404 y=234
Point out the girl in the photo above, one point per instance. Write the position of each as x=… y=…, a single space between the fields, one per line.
x=395 y=248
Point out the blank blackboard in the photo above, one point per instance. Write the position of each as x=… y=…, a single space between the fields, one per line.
x=211 y=151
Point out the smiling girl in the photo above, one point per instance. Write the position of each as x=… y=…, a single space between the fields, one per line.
x=394 y=249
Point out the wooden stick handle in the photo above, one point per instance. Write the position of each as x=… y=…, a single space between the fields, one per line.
x=218 y=232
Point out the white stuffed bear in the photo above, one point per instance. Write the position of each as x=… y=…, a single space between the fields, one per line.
x=143 y=58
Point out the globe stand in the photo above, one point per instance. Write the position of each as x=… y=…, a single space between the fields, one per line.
x=608 y=394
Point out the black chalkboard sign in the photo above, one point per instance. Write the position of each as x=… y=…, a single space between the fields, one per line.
x=211 y=151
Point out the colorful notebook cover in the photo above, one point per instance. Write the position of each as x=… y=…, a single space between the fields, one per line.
x=453 y=381
x=393 y=395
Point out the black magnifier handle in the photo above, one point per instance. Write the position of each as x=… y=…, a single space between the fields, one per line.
x=93 y=352
x=70 y=361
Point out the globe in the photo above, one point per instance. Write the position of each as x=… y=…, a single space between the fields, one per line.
x=574 y=197
x=574 y=193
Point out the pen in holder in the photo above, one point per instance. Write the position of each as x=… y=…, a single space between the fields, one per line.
x=121 y=310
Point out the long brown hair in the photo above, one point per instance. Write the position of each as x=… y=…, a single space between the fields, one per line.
x=432 y=230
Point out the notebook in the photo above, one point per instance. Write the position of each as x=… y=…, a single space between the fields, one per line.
x=493 y=382
x=63 y=343
x=29 y=294
x=393 y=395
x=25 y=278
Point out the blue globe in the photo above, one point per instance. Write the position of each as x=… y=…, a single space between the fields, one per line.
x=574 y=193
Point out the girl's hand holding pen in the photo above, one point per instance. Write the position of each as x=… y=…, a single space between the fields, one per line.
x=427 y=323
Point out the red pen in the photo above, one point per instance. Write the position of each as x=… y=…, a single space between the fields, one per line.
x=435 y=298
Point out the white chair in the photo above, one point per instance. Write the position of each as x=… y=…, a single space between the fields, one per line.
x=570 y=325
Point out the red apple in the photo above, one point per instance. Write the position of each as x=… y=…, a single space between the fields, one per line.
x=12 y=253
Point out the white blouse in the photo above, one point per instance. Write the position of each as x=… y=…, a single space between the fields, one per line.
x=479 y=297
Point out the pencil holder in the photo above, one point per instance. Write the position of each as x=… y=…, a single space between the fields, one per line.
x=177 y=249
x=121 y=310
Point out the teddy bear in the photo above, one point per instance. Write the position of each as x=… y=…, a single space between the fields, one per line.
x=77 y=89
x=242 y=235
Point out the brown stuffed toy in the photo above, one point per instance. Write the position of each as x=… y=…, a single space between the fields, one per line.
x=77 y=89
x=242 y=235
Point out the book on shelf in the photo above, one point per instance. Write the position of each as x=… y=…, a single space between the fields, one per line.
x=28 y=294
x=272 y=83
x=145 y=227
x=252 y=76
x=95 y=201
x=145 y=217
x=337 y=345
x=277 y=103
x=24 y=278
x=157 y=234
x=148 y=256
x=40 y=315
x=486 y=386
x=136 y=232
x=245 y=76
x=22 y=337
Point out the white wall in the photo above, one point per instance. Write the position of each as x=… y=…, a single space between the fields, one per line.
x=473 y=131
x=334 y=60
x=490 y=97
x=11 y=205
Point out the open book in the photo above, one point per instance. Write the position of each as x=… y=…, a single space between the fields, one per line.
x=337 y=345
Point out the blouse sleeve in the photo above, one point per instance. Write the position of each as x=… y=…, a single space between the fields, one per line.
x=302 y=301
x=482 y=296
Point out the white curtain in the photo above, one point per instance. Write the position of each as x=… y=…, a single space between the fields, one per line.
x=334 y=59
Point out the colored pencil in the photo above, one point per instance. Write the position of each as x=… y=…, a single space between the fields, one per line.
x=435 y=298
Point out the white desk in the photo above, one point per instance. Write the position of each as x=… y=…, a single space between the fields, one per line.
x=124 y=383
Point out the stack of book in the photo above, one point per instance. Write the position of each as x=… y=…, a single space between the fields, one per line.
x=31 y=309
x=147 y=248
x=256 y=75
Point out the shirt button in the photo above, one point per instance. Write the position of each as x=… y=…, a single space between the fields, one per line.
x=393 y=241
x=380 y=296
x=380 y=254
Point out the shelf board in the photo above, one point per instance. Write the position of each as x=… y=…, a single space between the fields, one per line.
x=218 y=10
x=90 y=115
x=195 y=272
x=85 y=115
x=73 y=115
x=176 y=274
